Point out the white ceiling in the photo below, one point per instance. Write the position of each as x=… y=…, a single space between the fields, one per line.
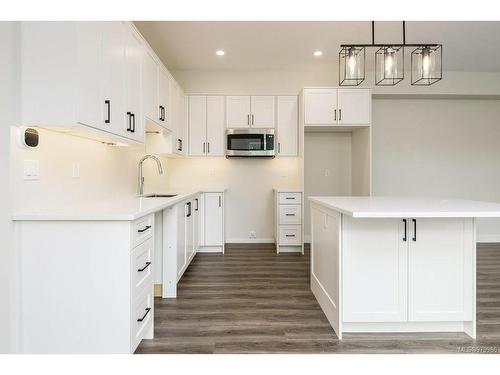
x=274 y=46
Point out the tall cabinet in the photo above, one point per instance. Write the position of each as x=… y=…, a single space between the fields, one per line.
x=206 y=126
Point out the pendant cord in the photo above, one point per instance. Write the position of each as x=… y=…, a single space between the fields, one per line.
x=404 y=33
x=373 y=32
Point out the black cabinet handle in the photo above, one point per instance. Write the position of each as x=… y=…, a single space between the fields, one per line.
x=107 y=103
x=129 y=123
x=414 y=230
x=289 y=198
x=203 y=147
x=189 y=209
x=133 y=122
x=279 y=148
x=334 y=115
x=160 y=116
x=208 y=147
x=340 y=115
x=180 y=144
x=196 y=209
x=145 y=229
x=404 y=238
x=289 y=235
x=290 y=214
x=252 y=119
x=220 y=201
x=148 y=309
x=143 y=268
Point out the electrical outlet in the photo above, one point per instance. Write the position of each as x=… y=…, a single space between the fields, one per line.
x=75 y=172
x=252 y=235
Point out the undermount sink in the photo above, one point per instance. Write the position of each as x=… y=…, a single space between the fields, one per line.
x=158 y=195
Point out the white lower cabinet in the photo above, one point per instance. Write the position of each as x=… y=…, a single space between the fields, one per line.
x=408 y=270
x=212 y=223
x=84 y=286
x=288 y=221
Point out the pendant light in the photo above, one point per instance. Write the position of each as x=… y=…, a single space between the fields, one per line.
x=351 y=66
x=426 y=62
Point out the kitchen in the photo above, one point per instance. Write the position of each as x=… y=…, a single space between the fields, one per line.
x=175 y=192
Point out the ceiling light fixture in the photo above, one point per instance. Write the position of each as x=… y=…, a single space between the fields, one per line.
x=317 y=53
x=426 y=62
x=220 y=52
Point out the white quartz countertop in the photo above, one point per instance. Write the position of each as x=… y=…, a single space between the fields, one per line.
x=120 y=209
x=281 y=190
x=401 y=207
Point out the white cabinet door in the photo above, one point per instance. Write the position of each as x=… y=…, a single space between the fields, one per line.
x=213 y=222
x=440 y=266
x=237 y=111
x=215 y=126
x=320 y=107
x=164 y=99
x=375 y=270
x=181 y=238
x=262 y=112
x=196 y=223
x=114 y=77
x=189 y=232
x=89 y=74
x=133 y=54
x=287 y=126
x=197 y=125
x=150 y=81
x=354 y=106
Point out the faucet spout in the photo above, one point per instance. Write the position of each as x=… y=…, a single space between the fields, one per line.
x=140 y=174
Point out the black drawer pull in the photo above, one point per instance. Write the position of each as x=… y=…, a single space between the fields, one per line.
x=107 y=103
x=145 y=229
x=143 y=268
x=414 y=230
x=290 y=214
x=404 y=238
x=289 y=235
x=148 y=309
x=290 y=198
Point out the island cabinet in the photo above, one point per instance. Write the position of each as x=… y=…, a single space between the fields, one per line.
x=377 y=272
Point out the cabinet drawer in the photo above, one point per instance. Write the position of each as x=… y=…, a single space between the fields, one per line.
x=290 y=234
x=290 y=198
x=141 y=317
x=290 y=214
x=142 y=229
x=142 y=267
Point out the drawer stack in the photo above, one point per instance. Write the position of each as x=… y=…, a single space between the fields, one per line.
x=141 y=276
x=288 y=221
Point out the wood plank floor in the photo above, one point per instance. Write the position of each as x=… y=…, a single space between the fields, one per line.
x=253 y=301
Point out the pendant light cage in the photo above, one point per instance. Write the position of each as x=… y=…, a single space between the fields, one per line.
x=351 y=66
x=426 y=65
x=389 y=65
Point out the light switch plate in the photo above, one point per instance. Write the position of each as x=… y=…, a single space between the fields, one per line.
x=75 y=171
x=31 y=169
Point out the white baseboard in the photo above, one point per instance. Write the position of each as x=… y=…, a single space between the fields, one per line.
x=249 y=240
x=488 y=238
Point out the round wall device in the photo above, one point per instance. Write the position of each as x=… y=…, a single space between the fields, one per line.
x=31 y=137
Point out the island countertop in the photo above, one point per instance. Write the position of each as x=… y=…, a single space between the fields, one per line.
x=401 y=207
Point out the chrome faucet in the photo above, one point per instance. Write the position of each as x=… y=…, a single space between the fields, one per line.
x=141 y=177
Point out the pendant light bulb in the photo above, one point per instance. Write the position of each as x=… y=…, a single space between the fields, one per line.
x=426 y=63
x=389 y=63
x=352 y=63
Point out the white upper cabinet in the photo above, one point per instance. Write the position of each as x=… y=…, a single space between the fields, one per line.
x=150 y=85
x=206 y=125
x=197 y=125
x=113 y=78
x=215 y=126
x=262 y=111
x=164 y=103
x=320 y=106
x=133 y=59
x=337 y=106
x=354 y=106
x=250 y=111
x=287 y=126
x=238 y=111
x=88 y=44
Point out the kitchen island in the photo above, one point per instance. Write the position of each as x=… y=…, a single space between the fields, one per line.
x=395 y=264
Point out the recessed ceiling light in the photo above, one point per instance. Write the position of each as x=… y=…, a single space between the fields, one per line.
x=317 y=53
x=220 y=52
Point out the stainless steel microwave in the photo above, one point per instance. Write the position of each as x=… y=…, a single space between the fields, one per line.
x=250 y=143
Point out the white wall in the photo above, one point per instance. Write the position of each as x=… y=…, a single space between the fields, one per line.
x=249 y=184
x=447 y=148
x=7 y=118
